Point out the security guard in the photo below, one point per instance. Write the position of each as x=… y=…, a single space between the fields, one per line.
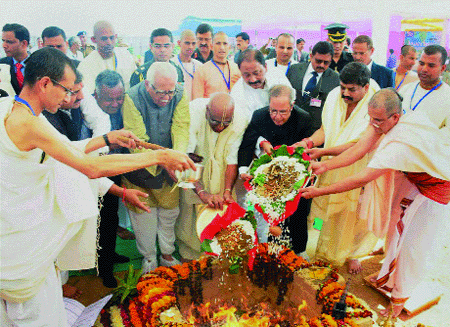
x=336 y=36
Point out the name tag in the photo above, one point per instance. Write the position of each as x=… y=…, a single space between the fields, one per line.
x=315 y=103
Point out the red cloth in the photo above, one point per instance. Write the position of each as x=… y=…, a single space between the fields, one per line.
x=433 y=188
x=290 y=208
x=233 y=212
x=19 y=74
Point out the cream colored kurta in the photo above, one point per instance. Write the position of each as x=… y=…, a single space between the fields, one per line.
x=208 y=79
x=402 y=80
x=94 y=64
x=218 y=150
x=189 y=69
x=343 y=235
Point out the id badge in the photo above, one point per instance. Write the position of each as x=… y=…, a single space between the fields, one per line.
x=315 y=102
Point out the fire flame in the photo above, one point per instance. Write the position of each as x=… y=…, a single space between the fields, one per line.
x=224 y=315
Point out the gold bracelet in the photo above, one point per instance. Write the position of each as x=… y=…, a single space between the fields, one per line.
x=228 y=189
x=198 y=193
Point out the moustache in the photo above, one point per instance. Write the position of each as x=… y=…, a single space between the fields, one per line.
x=255 y=82
x=203 y=45
x=347 y=98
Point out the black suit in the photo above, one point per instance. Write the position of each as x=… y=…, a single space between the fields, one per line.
x=328 y=81
x=14 y=82
x=297 y=127
x=382 y=75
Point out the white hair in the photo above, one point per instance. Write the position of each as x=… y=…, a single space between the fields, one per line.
x=162 y=69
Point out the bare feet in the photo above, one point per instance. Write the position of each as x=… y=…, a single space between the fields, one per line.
x=393 y=309
x=125 y=234
x=354 y=266
x=377 y=252
x=71 y=291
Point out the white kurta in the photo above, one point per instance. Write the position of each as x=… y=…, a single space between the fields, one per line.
x=435 y=105
x=42 y=221
x=247 y=99
x=94 y=64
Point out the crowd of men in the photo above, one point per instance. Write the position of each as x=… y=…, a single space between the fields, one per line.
x=231 y=109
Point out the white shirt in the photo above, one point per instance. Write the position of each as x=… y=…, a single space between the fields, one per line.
x=274 y=67
x=95 y=118
x=436 y=105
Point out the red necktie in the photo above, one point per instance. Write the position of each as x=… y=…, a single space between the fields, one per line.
x=19 y=74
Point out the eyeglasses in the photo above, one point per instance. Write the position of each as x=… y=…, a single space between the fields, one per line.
x=160 y=46
x=68 y=92
x=274 y=112
x=215 y=123
x=376 y=121
x=160 y=93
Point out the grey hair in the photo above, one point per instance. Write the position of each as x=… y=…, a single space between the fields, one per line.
x=281 y=89
x=163 y=69
x=388 y=99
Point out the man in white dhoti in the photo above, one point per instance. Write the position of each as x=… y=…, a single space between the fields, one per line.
x=344 y=119
x=425 y=176
x=107 y=56
x=214 y=136
x=44 y=179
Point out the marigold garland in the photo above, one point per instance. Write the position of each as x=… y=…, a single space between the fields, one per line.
x=157 y=292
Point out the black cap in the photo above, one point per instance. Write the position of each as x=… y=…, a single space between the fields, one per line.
x=337 y=32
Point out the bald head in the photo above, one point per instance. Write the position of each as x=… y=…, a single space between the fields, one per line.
x=105 y=38
x=187 y=33
x=187 y=43
x=388 y=99
x=220 y=111
x=103 y=24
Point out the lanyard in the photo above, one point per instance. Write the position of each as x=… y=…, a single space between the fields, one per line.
x=193 y=65
x=228 y=83
x=289 y=66
x=434 y=88
x=22 y=101
x=115 y=62
x=401 y=82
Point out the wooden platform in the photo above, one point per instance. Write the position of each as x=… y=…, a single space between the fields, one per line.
x=424 y=296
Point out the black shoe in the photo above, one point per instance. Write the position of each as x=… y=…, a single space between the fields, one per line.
x=118 y=258
x=109 y=281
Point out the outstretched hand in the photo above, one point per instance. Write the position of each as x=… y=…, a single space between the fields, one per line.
x=132 y=197
x=227 y=197
x=174 y=160
x=266 y=147
x=212 y=200
x=318 y=168
x=314 y=153
x=122 y=138
x=310 y=192
x=246 y=176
